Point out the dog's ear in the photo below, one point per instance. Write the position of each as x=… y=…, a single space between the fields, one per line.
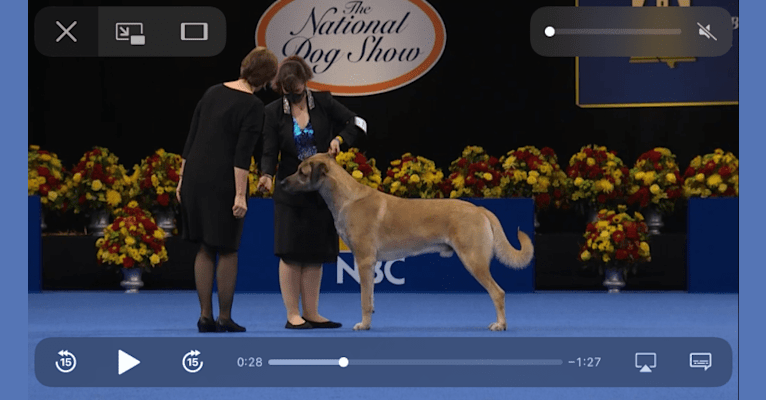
x=318 y=170
x=306 y=168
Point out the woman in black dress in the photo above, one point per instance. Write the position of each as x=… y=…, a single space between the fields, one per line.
x=212 y=191
x=298 y=125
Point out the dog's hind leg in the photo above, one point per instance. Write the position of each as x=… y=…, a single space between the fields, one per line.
x=478 y=265
x=367 y=282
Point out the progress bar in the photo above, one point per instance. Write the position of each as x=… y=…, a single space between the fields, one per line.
x=344 y=362
x=551 y=31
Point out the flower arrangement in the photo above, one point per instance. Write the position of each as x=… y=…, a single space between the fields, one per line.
x=714 y=175
x=535 y=173
x=616 y=238
x=157 y=180
x=98 y=181
x=597 y=176
x=413 y=177
x=655 y=179
x=253 y=177
x=474 y=174
x=46 y=178
x=132 y=240
x=362 y=169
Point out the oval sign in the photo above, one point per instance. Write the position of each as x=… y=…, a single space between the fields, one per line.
x=358 y=47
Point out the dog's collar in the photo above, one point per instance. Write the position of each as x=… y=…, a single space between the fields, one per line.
x=309 y=98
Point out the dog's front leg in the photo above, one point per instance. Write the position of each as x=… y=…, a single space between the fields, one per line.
x=367 y=282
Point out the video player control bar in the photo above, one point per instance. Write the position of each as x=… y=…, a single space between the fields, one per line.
x=383 y=362
x=130 y=31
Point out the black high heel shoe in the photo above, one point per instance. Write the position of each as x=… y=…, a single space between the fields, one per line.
x=227 y=325
x=206 y=325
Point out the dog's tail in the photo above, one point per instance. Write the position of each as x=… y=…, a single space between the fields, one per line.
x=516 y=259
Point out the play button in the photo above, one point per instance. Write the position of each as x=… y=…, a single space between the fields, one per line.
x=125 y=362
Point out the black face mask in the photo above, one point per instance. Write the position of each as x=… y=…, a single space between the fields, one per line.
x=295 y=98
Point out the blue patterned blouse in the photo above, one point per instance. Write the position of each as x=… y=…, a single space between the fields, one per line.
x=304 y=140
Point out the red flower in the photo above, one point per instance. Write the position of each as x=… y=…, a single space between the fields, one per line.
x=163 y=199
x=547 y=151
x=621 y=254
x=127 y=262
x=618 y=236
x=96 y=152
x=390 y=173
x=689 y=172
x=657 y=167
x=591 y=228
x=543 y=200
x=403 y=179
x=655 y=156
x=492 y=161
x=630 y=230
x=602 y=198
x=172 y=174
x=44 y=189
x=724 y=171
x=42 y=171
x=470 y=180
x=365 y=169
x=461 y=162
x=589 y=152
x=360 y=158
x=479 y=184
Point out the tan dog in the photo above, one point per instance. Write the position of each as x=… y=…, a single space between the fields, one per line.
x=381 y=227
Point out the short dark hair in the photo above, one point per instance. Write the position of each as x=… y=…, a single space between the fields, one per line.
x=258 y=67
x=293 y=71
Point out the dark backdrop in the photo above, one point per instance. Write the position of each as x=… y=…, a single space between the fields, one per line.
x=489 y=89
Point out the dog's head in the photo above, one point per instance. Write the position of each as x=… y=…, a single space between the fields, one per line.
x=310 y=174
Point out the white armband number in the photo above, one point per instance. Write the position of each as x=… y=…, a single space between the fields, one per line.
x=362 y=124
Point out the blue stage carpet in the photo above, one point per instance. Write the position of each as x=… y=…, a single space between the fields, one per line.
x=541 y=314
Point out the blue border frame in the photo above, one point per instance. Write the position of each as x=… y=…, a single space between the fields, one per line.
x=751 y=298
x=13 y=113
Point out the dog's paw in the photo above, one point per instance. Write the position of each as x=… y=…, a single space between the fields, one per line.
x=496 y=326
x=361 y=327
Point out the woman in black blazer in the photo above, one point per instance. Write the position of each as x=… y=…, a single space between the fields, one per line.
x=299 y=124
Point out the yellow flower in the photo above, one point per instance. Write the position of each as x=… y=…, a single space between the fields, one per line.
x=396 y=162
x=606 y=258
x=671 y=178
x=133 y=204
x=160 y=190
x=113 y=198
x=531 y=180
x=591 y=162
x=585 y=255
x=655 y=189
x=414 y=178
x=639 y=216
x=644 y=248
x=45 y=157
x=722 y=188
x=357 y=174
x=154 y=259
x=453 y=194
x=649 y=178
x=696 y=162
x=34 y=147
x=458 y=182
x=700 y=177
x=41 y=180
x=487 y=176
x=578 y=181
x=155 y=181
x=159 y=234
x=639 y=175
x=52 y=195
x=714 y=180
x=130 y=241
x=96 y=185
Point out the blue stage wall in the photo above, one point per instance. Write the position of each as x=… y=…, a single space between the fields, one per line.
x=713 y=245
x=35 y=245
x=258 y=267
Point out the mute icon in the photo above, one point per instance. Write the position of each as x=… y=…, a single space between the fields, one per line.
x=705 y=31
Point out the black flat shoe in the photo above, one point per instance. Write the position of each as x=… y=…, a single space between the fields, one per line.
x=227 y=325
x=305 y=325
x=206 y=325
x=326 y=325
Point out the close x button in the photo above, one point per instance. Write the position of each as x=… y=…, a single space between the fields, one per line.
x=67 y=31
